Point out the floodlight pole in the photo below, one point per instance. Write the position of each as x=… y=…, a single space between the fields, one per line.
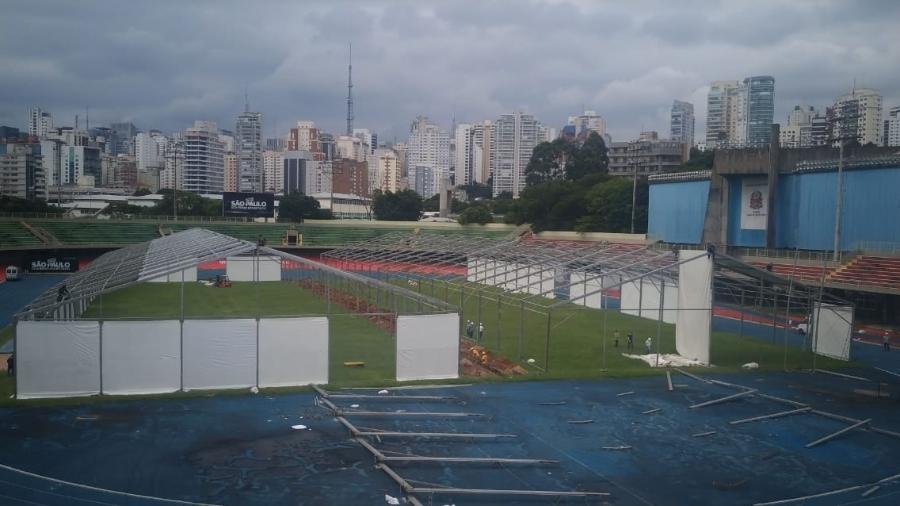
x=839 y=202
x=662 y=301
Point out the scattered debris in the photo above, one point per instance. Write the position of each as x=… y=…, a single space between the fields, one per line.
x=666 y=360
x=478 y=361
x=391 y=499
x=355 y=363
x=703 y=434
x=616 y=448
x=624 y=394
x=651 y=411
x=86 y=418
x=750 y=365
x=299 y=427
x=383 y=392
x=580 y=422
x=530 y=360
x=551 y=403
x=254 y=390
x=354 y=406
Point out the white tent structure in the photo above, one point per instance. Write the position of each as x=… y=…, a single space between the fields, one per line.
x=64 y=350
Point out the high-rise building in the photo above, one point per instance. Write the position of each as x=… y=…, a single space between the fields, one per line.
x=427 y=156
x=387 y=171
x=462 y=166
x=369 y=139
x=857 y=116
x=81 y=165
x=350 y=177
x=230 y=176
x=306 y=137
x=125 y=173
x=805 y=127
x=893 y=123
x=718 y=112
x=40 y=122
x=122 y=141
x=276 y=144
x=473 y=152
x=149 y=149
x=515 y=136
x=204 y=159
x=327 y=145
x=303 y=174
x=682 y=122
x=51 y=160
x=21 y=172
x=586 y=123
x=350 y=147
x=646 y=155
x=740 y=114
x=272 y=167
x=172 y=174
x=248 y=148
x=760 y=109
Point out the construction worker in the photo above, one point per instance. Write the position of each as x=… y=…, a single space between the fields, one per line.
x=470 y=328
x=648 y=344
x=630 y=340
x=616 y=338
x=480 y=330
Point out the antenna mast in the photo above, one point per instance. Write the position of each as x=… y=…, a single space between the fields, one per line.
x=350 y=92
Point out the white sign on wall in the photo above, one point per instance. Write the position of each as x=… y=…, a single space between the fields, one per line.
x=754 y=203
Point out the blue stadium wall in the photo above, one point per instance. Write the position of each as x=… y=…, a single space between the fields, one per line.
x=677 y=211
x=804 y=210
x=806 y=202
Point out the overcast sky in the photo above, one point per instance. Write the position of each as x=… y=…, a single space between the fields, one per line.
x=163 y=64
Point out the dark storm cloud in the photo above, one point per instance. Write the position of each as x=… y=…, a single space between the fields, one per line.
x=165 y=64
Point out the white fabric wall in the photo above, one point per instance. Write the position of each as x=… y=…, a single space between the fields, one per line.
x=630 y=298
x=500 y=269
x=651 y=299
x=670 y=304
x=835 y=326
x=427 y=347
x=293 y=351
x=534 y=280
x=57 y=359
x=593 y=285
x=219 y=353
x=242 y=268
x=692 y=323
x=141 y=357
x=471 y=265
x=190 y=274
x=548 y=282
x=576 y=288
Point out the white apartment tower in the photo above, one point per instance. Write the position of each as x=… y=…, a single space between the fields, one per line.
x=273 y=171
x=515 y=136
x=427 y=156
x=682 y=123
x=40 y=122
x=893 y=122
x=204 y=159
x=857 y=115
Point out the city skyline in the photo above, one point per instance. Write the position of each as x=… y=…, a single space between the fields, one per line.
x=134 y=71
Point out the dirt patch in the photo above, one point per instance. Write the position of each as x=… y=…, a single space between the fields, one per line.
x=477 y=361
x=378 y=316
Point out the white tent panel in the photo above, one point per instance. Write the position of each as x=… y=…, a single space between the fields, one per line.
x=594 y=300
x=521 y=278
x=57 y=358
x=293 y=351
x=651 y=297
x=499 y=273
x=427 y=346
x=670 y=303
x=692 y=323
x=190 y=274
x=141 y=357
x=534 y=280
x=219 y=353
x=576 y=288
x=835 y=327
x=490 y=272
x=244 y=268
x=471 y=265
x=630 y=298
x=548 y=282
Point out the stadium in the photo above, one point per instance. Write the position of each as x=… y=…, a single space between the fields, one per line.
x=724 y=358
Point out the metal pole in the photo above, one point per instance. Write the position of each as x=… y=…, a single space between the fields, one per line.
x=662 y=301
x=839 y=202
x=498 y=322
x=521 y=328
x=604 y=299
x=741 y=327
x=633 y=188
x=787 y=310
x=774 y=315
x=547 y=342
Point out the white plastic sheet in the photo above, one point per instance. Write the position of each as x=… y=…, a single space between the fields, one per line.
x=245 y=269
x=692 y=323
x=576 y=288
x=471 y=265
x=57 y=358
x=293 y=351
x=427 y=347
x=835 y=327
x=141 y=357
x=219 y=353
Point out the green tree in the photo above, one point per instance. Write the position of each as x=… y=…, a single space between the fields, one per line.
x=478 y=213
x=404 y=205
x=189 y=204
x=548 y=162
x=476 y=191
x=297 y=207
x=554 y=205
x=140 y=192
x=608 y=206
x=17 y=205
x=699 y=160
x=589 y=158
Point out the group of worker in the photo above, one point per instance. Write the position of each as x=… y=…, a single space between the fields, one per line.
x=470 y=330
x=629 y=341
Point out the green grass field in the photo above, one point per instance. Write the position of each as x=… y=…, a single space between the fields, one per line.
x=576 y=347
